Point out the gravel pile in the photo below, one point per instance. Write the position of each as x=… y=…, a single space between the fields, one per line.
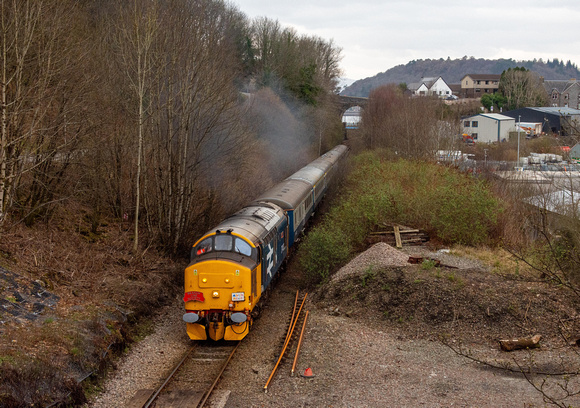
x=378 y=256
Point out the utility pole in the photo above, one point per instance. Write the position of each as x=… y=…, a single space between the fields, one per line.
x=519 y=127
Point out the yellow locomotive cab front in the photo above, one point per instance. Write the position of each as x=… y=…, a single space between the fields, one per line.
x=218 y=300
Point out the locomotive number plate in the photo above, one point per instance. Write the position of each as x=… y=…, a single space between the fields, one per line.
x=237 y=297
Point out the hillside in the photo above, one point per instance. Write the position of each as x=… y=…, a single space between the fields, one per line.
x=453 y=70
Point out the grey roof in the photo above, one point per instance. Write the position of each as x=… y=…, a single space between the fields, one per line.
x=561 y=85
x=556 y=84
x=414 y=86
x=557 y=110
x=494 y=116
x=428 y=81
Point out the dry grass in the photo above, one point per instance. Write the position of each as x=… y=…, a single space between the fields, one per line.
x=502 y=261
x=101 y=287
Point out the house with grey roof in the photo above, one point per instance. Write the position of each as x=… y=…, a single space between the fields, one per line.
x=563 y=93
x=432 y=86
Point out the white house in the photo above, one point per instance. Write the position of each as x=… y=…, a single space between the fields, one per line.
x=488 y=127
x=351 y=117
x=434 y=86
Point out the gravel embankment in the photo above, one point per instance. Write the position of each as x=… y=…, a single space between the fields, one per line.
x=354 y=364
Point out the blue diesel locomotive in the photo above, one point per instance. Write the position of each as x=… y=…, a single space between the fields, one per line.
x=232 y=265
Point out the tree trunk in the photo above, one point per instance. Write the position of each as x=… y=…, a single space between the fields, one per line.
x=521 y=343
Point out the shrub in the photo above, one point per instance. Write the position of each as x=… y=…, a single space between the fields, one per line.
x=324 y=248
x=453 y=207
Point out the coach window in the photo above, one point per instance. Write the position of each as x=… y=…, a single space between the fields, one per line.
x=309 y=200
x=223 y=242
x=242 y=247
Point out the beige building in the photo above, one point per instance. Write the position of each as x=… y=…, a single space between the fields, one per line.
x=475 y=85
x=488 y=127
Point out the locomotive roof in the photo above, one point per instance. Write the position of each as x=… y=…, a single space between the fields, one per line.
x=253 y=222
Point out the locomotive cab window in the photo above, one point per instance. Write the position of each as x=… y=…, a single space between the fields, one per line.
x=223 y=242
x=242 y=247
x=203 y=247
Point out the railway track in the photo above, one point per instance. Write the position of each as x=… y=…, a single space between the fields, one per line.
x=191 y=382
x=296 y=321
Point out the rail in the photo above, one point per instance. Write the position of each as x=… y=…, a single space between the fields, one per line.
x=154 y=396
x=291 y=326
x=195 y=395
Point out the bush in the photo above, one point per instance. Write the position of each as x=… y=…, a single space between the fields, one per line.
x=324 y=248
x=451 y=206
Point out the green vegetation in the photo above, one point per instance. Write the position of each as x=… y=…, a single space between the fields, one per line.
x=368 y=275
x=428 y=264
x=451 y=206
x=497 y=100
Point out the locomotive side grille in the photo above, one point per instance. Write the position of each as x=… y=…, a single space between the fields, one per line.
x=264 y=214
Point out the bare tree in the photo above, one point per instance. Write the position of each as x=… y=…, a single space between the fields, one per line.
x=41 y=121
x=136 y=35
x=196 y=124
x=543 y=231
x=409 y=127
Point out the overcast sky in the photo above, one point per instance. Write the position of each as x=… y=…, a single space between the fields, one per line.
x=376 y=35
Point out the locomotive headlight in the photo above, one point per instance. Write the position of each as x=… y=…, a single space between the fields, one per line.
x=204 y=280
x=215 y=294
x=227 y=280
